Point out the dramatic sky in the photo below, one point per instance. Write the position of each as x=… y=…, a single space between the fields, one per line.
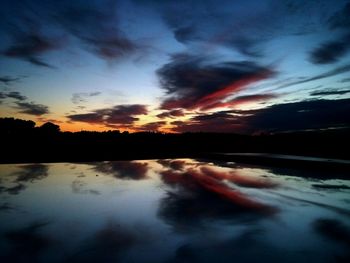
x=245 y=66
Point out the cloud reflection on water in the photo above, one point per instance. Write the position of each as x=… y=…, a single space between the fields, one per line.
x=123 y=169
x=186 y=211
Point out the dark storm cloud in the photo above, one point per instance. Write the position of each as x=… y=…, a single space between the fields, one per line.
x=331 y=52
x=120 y=114
x=35 y=28
x=32 y=108
x=316 y=114
x=193 y=82
x=127 y=170
x=82 y=96
x=329 y=92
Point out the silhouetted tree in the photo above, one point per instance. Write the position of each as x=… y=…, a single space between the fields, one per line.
x=50 y=128
x=15 y=126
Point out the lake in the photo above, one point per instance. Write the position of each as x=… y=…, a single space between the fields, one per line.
x=176 y=210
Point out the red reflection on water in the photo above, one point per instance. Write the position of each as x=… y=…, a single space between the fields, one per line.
x=236 y=178
x=211 y=181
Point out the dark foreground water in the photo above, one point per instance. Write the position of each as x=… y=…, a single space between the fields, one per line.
x=179 y=210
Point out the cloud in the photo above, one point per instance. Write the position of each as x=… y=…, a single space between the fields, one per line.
x=243 y=100
x=82 y=96
x=117 y=115
x=152 y=126
x=96 y=24
x=171 y=114
x=334 y=50
x=7 y=80
x=28 y=46
x=315 y=114
x=34 y=29
x=230 y=25
x=329 y=92
x=341 y=19
x=12 y=95
x=193 y=82
x=32 y=108
x=333 y=72
x=331 y=52
x=222 y=121
x=25 y=106
x=344 y=80
x=296 y=116
x=93 y=118
x=16 y=95
x=333 y=229
x=123 y=169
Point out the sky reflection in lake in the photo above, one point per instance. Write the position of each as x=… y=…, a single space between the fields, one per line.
x=179 y=210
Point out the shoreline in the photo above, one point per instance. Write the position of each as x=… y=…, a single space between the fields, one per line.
x=257 y=158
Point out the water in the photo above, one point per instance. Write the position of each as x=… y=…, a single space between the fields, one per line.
x=180 y=210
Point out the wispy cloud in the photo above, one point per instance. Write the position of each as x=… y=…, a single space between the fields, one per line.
x=329 y=92
x=82 y=97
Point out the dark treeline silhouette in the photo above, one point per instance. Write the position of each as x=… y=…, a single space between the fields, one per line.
x=22 y=141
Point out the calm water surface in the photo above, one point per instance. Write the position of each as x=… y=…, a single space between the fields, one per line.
x=179 y=210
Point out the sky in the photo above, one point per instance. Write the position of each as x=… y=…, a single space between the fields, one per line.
x=243 y=66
